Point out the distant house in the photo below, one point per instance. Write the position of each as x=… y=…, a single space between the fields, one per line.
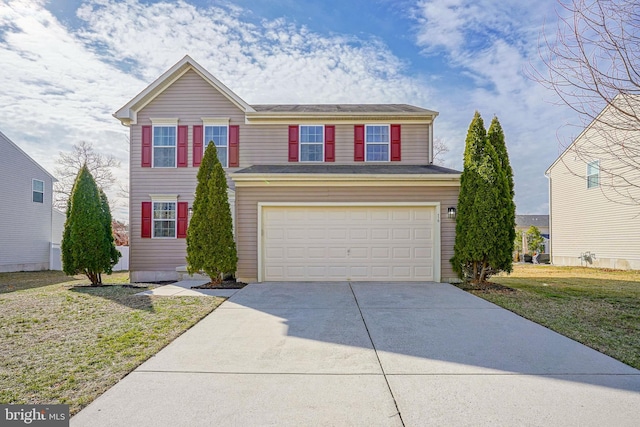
x=28 y=218
x=523 y=222
x=593 y=218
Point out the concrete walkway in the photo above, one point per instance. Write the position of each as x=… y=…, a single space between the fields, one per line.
x=183 y=289
x=369 y=354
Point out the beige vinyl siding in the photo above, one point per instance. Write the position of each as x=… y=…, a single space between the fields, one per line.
x=189 y=99
x=247 y=199
x=26 y=226
x=586 y=219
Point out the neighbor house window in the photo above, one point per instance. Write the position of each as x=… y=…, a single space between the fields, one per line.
x=164 y=146
x=220 y=137
x=37 y=188
x=311 y=143
x=377 y=143
x=164 y=219
x=593 y=174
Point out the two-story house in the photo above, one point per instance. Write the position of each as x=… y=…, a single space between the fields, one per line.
x=594 y=191
x=317 y=192
x=29 y=223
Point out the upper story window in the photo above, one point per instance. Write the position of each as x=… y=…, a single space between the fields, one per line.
x=37 y=189
x=164 y=219
x=377 y=143
x=220 y=137
x=311 y=143
x=593 y=174
x=164 y=146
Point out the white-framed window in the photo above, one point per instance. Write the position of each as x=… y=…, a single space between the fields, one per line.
x=311 y=143
x=164 y=219
x=593 y=174
x=377 y=143
x=219 y=134
x=164 y=146
x=37 y=191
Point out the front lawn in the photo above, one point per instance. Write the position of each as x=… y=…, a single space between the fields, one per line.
x=597 y=307
x=62 y=341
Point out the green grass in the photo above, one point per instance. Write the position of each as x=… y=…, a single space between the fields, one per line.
x=597 y=307
x=62 y=341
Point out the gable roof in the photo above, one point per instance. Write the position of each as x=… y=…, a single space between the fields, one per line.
x=3 y=137
x=128 y=113
x=618 y=98
x=274 y=113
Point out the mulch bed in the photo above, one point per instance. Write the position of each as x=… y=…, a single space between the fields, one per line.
x=487 y=287
x=225 y=284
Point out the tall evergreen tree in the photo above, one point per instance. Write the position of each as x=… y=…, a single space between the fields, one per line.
x=210 y=243
x=508 y=207
x=479 y=222
x=87 y=245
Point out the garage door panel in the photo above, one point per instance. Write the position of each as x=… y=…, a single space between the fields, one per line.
x=380 y=234
x=348 y=243
x=401 y=234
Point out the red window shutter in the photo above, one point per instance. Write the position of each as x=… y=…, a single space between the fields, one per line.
x=234 y=146
x=183 y=132
x=146 y=219
x=395 y=143
x=146 y=146
x=183 y=213
x=293 y=143
x=329 y=143
x=358 y=146
x=197 y=145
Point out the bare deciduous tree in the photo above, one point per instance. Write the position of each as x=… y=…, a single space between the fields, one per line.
x=69 y=164
x=593 y=65
x=439 y=150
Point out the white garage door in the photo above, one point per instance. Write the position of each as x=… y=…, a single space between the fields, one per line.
x=338 y=243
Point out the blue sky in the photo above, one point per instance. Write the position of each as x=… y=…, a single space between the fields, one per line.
x=67 y=65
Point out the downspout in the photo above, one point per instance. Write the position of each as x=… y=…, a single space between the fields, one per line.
x=431 y=143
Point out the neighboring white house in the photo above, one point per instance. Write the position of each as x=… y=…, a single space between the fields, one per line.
x=591 y=222
x=26 y=210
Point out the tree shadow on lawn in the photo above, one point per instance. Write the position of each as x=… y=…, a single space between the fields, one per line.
x=22 y=280
x=121 y=294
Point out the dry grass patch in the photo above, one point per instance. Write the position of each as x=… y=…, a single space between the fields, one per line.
x=62 y=341
x=597 y=307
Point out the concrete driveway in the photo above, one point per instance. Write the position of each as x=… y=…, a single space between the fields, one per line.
x=369 y=354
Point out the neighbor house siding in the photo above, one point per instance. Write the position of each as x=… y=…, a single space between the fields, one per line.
x=189 y=99
x=26 y=226
x=247 y=199
x=589 y=219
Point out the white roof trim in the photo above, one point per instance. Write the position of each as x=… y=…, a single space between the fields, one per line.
x=584 y=131
x=128 y=113
x=3 y=136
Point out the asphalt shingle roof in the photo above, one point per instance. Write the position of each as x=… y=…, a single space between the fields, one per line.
x=529 y=220
x=339 y=108
x=360 y=169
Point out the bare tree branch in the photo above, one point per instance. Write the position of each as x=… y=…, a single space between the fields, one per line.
x=439 y=150
x=593 y=65
x=69 y=164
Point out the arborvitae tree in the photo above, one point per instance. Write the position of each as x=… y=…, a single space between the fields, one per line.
x=210 y=243
x=480 y=218
x=85 y=247
x=508 y=206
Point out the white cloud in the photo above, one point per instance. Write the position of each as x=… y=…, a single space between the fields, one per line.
x=493 y=42
x=63 y=84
